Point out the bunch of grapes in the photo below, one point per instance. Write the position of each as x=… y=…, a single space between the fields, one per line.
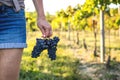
x=49 y=44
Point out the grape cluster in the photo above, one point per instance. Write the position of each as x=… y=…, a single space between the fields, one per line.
x=42 y=44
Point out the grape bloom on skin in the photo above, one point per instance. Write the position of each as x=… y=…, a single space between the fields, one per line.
x=43 y=44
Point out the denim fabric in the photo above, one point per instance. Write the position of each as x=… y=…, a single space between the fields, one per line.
x=12 y=28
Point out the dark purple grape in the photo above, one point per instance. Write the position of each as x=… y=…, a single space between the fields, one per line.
x=42 y=44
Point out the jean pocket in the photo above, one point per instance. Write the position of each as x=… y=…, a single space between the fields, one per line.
x=12 y=14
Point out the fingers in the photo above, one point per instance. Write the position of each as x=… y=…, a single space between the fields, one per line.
x=45 y=28
x=48 y=32
x=41 y=28
x=43 y=31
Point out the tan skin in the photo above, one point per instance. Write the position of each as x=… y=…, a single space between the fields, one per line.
x=43 y=25
x=10 y=58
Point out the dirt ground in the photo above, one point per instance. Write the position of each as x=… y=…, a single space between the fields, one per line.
x=92 y=67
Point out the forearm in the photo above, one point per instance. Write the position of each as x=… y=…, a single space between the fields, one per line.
x=43 y=25
x=39 y=8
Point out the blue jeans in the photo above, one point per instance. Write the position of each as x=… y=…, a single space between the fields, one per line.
x=12 y=28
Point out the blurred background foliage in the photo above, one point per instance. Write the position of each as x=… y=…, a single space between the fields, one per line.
x=79 y=31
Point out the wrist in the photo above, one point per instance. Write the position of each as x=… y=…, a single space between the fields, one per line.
x=41 y=16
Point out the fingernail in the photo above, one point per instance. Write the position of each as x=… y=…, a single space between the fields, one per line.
x=43 y=35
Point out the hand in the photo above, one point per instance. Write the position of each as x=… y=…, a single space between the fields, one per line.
x=45 y=28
